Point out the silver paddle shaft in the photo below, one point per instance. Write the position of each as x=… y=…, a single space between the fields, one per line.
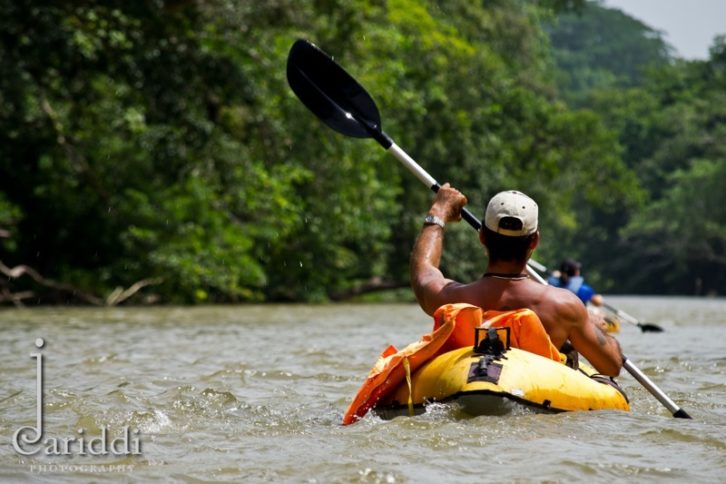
x=412 y=166
x=654 y=390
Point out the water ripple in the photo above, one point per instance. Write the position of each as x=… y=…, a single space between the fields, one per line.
x=215 y=397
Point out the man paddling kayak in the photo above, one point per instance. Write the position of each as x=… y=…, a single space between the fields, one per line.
x=570 y=277
x=510 y=234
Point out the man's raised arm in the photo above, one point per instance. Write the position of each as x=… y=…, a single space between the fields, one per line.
x=427 y=280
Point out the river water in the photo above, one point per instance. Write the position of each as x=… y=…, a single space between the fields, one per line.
x=257 y=393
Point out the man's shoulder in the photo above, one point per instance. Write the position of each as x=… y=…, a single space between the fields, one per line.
x=565 y=303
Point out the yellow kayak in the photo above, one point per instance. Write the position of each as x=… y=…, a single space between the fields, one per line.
x=485 y=384
x=487 y=361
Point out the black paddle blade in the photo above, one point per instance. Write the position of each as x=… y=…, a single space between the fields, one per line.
x=682 y=414
x=650 y=328
x=332 y=94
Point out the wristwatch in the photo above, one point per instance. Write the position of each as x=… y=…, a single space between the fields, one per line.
x=434 y=220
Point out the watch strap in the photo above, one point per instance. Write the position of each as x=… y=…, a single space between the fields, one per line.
x=434 y=220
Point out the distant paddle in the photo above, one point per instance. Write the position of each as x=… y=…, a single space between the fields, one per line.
x=645 y=327
x=341 y=102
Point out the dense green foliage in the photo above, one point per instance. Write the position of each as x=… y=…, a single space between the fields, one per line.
x=672 y=130
x=160 y=140
x=670 y=117
x=598 y=47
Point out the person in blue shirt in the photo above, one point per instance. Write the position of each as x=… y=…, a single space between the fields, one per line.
x=569 y=278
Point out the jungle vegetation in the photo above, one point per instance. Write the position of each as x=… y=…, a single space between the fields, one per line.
x=152 y=151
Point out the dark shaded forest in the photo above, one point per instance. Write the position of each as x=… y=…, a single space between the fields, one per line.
x=152 y=151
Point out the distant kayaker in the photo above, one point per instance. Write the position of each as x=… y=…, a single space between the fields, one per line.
x=510 y=234
x=569 y=277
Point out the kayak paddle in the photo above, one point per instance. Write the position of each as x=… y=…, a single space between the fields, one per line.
x=344 y=105
x=645 y=327
x=643 y=379
x=339 y=101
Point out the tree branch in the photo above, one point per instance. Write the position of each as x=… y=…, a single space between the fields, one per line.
x=119 y=295
x=16 y=298
x=116 y=297
x=21 y=270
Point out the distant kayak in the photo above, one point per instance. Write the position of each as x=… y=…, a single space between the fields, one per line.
x=612 y=321
x=489 y=363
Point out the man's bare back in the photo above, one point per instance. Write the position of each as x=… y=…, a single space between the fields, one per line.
x=505 y=286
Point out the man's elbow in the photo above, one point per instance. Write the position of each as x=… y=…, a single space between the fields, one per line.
x=612 y=368
x=613 y=371
x=423 y=296
x=428 y=306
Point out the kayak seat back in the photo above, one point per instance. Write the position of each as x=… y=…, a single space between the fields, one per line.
x=526 y=330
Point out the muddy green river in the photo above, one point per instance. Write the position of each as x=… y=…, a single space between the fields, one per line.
x=257 y=393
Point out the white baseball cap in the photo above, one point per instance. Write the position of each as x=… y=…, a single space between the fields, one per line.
x=511 y=204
